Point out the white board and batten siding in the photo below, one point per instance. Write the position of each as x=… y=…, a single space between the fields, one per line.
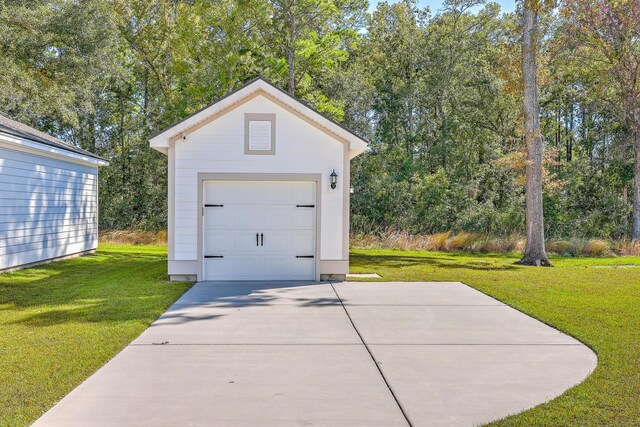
x=48 y=206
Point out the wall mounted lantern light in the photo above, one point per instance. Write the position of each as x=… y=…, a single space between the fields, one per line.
x=333 y=178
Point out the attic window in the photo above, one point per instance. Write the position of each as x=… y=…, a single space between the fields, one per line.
x=259 y=133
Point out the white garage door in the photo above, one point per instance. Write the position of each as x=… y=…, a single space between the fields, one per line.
x=259 y=230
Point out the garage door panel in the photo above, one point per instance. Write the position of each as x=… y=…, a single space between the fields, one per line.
x=288 y=267
x=304 y=193
x=248 y=217
x=219 y=242
x=304 y=218
x=219 y=217
x=235 y=217
x=288 y=192
x=281 y=242
x=234 y=268
x=303 y=244
x=270 y=210
x=221 y=193
x=289 y=218
x=249 y=192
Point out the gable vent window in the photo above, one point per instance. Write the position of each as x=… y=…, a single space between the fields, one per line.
x=259 y=133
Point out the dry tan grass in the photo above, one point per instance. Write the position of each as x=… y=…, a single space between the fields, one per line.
x=474 y=243
x=133 y=237
x=444 y=242
x=439 y=241
x=462 y=241
x=562 y=247
x=596 y=247
x=626 y=247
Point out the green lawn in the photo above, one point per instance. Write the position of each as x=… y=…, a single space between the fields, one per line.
x=60 y=322
x=596 y=300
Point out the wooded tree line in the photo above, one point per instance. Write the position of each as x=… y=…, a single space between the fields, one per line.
x=437 y=93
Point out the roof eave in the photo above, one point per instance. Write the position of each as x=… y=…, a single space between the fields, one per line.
x=160 y=141
x=49 y=150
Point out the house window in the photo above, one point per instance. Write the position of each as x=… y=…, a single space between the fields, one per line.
x=259 y=133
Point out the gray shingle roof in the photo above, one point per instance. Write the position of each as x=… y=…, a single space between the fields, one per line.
x=14 y=128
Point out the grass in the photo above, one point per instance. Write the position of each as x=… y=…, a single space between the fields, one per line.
x=596 y=300
x=60 y=322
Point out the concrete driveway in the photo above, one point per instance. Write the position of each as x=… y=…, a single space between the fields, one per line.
x=340 y=354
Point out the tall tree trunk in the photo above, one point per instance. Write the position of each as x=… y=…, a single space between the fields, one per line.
x=290 y=59
x=122 y=144
x=635 y=232
x=534 y=253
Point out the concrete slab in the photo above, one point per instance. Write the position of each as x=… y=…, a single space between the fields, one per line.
x=225 y=385
x=470 y=385
x=283 y=353
x=242 y=294
x=363 y=276
x=470 y=325
x=251 y=324
x=411 y=293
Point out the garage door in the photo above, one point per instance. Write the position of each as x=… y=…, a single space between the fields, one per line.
x=259 y=230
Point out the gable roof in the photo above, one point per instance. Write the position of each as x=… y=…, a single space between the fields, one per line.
x=11 y=127
x=161 y=140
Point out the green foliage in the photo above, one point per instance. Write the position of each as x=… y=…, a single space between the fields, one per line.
x=437 y=94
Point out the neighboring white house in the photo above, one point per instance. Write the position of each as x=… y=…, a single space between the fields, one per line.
x=251 y=191
x=48 y=197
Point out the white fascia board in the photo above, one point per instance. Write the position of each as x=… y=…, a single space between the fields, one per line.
x=355 y=143
x=162 y=140
x=17 y=143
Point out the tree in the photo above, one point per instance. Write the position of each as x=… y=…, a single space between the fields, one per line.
x=604 y=38
x=307 y=40
x=534 y=253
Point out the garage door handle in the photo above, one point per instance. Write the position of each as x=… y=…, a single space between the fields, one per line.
x=261 y=239
x=214 y=256
x=305 y=206
x=256 y=239
x=213 y=206
x=305 y=256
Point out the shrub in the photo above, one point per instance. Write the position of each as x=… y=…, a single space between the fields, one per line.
x=596 y=248
x=627 y=247
x=439 y=241
x=134 y=237
x=561 y=247
x=462 y=241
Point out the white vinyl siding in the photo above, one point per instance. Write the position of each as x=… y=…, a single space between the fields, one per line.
x=218 y=147
x=48 y=208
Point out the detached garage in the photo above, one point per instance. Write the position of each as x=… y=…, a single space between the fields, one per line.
x=258 y=190
x=48 y=197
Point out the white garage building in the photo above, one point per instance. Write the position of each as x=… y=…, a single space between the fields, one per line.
x=48 y=197
x=258 y=189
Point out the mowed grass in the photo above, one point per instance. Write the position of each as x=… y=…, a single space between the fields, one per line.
x=60 y=322
x=596 y=300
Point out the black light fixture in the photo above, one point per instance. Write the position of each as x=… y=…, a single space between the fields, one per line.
x=333 y=179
